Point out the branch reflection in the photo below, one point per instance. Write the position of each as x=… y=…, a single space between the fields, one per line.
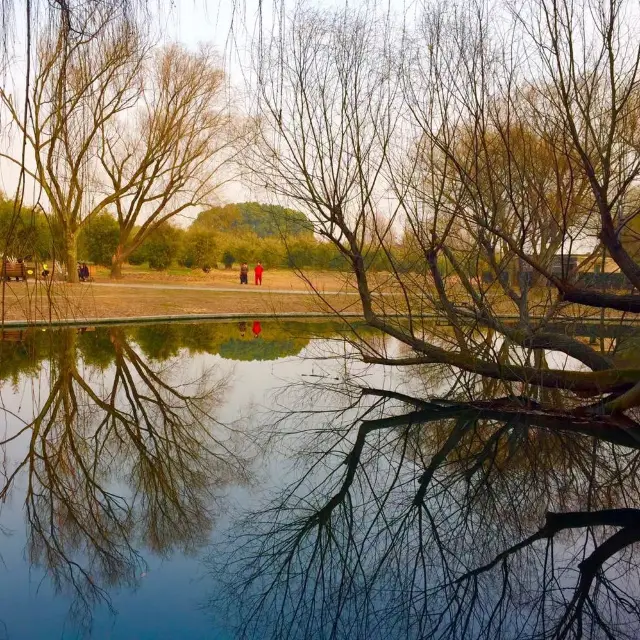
x=120 y=455
x=447 y=518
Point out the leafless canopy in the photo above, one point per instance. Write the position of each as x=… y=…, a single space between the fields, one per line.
x=498 y=142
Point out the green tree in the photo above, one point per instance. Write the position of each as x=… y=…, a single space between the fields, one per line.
x=228 y=259
x=245 y=247
x=223 y=219
x=25 y=233
x=99 y=239
x=262 y=219
x=199 y=248
x=272 y=253
x=160 y=248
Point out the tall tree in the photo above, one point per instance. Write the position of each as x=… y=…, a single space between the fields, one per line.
x=84 y=79
x=488 y=162
x=165 y=156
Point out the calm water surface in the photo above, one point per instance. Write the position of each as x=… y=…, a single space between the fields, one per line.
x=254 y=480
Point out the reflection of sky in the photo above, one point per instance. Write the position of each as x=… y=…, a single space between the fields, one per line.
x=168 y=600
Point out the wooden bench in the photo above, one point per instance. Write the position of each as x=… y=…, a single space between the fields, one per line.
x=17 y=270
x=15 y=335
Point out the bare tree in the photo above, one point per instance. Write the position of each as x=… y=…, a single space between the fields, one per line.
x=171 y=150
x=452 y=130
x=82 y=81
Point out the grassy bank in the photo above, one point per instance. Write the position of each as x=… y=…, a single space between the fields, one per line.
x=181 y=291
x=28 y=302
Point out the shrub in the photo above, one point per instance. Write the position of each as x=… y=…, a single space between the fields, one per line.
x=199 y=249
x=139 y=256
x=31 y=234
x=160 y=248
x=228 y=259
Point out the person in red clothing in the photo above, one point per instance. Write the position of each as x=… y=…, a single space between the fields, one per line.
x=258 y=271
x=257 y=329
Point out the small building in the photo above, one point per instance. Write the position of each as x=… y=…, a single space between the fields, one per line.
x=591 y=273
x=561 y=266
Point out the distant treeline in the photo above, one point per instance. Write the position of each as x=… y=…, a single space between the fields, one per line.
x=224 y=236
x=218 y=237
x=235 y=233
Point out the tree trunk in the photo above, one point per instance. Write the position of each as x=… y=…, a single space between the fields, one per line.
x=116 y=263
x=600 y=299
x=116 y=269
x=71 y=256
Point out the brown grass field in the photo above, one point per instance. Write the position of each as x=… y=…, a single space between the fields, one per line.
x=284 y=279
x=179 y=291
x=30 y=301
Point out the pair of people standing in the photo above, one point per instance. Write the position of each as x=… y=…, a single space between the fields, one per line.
x=244 y=273
x=256 y=328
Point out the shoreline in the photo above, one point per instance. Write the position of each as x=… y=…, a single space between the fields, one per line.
x=160 y=319
x=222 y=317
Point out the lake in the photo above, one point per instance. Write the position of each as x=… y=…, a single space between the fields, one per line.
x=255 y=479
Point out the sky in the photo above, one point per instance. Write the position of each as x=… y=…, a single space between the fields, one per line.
x=190 y=22
x=229 y=25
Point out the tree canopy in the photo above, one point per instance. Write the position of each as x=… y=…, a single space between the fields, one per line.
x=264 y=220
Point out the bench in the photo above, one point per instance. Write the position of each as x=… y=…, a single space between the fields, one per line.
x=15 y=335
x=17 y=270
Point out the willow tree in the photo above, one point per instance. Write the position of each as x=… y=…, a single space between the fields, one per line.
x=83 y=79
x=493 y=152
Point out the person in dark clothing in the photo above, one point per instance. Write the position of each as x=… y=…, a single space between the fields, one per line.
x=244 y=273
x=83 y=272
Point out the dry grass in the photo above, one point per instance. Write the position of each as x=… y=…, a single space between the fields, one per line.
x=85 y=301
x=28 y=301
x=228 y=278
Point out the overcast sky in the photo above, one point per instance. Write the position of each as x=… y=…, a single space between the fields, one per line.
x=191 y=22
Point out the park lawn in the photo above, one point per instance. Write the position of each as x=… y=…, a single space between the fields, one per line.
x=229 y=278
x=26 y=302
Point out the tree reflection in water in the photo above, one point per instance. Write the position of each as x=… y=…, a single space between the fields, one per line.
x=448 y=518
x=118 y=457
